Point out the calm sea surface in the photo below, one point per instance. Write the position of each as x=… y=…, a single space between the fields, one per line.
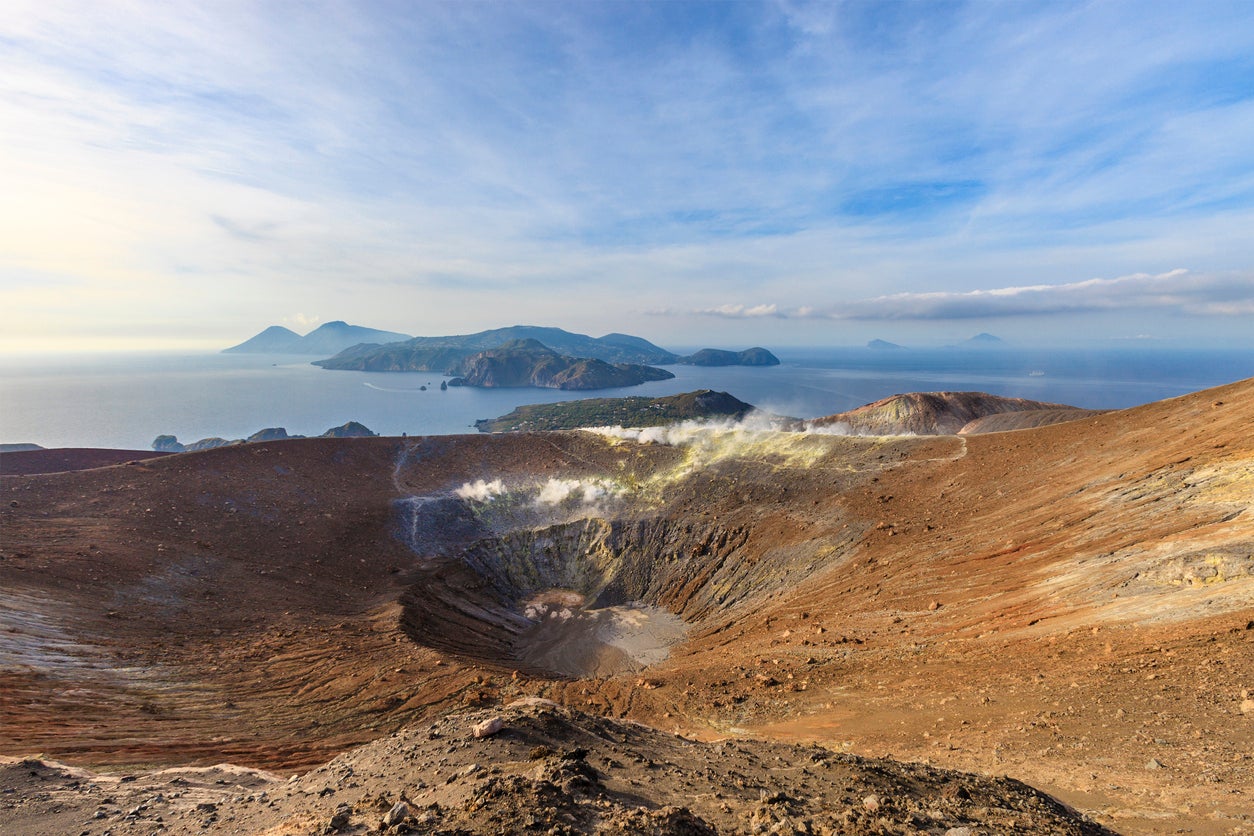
x=126 y=401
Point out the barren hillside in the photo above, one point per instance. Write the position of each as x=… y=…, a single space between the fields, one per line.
x=1070 y=605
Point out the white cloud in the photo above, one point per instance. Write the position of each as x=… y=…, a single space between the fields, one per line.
x=741 y=311
x=1205 y=295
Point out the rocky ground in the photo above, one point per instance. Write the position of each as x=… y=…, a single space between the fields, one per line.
x=1071 y=606
x=534 y=767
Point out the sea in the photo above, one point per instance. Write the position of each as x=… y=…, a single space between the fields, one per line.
x=125 y=401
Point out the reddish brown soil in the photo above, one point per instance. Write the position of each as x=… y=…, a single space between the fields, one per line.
x=1071 y=605
x=63 y=459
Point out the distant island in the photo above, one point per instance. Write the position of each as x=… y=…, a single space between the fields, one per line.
x=636 y=411
x=982 y=340
x=884 y=345
x=531 y=363
x=171 y=444
x=719 y=357
x=492 y=358
x=326 y=339
x=19 y=448
x=449 y=355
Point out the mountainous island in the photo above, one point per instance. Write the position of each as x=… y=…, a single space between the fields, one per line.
x=719 y=357
x=528 y=362
x=448 y=355
x=636 y=411
x=325 y=339
x=884 y=345
x=981 y=341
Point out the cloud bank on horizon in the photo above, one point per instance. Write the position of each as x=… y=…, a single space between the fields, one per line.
x=180 y=173
x=1176 y=290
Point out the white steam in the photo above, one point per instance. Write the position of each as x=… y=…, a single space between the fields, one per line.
x=555 y=493
x=575 y=491
x=481 y=491
x=687 y=433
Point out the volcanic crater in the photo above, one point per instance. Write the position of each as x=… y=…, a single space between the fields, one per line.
x=1048 y=603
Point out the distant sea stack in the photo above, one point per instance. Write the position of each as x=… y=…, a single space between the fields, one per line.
x=528 y=362
x=171 y=444
x=331 y=338
x=718 y=357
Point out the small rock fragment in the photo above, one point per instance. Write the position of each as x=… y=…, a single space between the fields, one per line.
x=489 y=727
x=340 y=819
x=398 y=814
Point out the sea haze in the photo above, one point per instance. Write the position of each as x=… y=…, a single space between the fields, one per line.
x=125 y=401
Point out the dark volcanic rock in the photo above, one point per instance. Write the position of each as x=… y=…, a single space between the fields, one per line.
x=350 y=430
x=269 y=434
x=167 y=444
x=210 y=443
x=592 y=775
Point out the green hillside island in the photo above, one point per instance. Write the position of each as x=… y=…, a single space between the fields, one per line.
x=719 y=357
x=531 y=363
x=635 y=411
x=449 y=355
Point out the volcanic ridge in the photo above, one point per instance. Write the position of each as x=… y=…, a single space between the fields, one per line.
x=820 y=632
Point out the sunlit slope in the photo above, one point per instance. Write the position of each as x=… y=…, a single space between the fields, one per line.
x=274 y=603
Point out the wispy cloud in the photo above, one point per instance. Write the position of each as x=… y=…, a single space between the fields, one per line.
x=741 y=311
x=1177 y=290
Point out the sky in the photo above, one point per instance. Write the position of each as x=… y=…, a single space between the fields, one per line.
x=179 y=175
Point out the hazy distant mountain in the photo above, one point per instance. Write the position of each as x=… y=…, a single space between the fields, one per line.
x=274 y=340
x=19 y=448
x=884 y=345
x=719 y=357
x=331 y=338
x=982 y=341
x=447 y=354
x=531 y=363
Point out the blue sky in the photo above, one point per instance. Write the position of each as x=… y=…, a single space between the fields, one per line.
x=181 y=175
